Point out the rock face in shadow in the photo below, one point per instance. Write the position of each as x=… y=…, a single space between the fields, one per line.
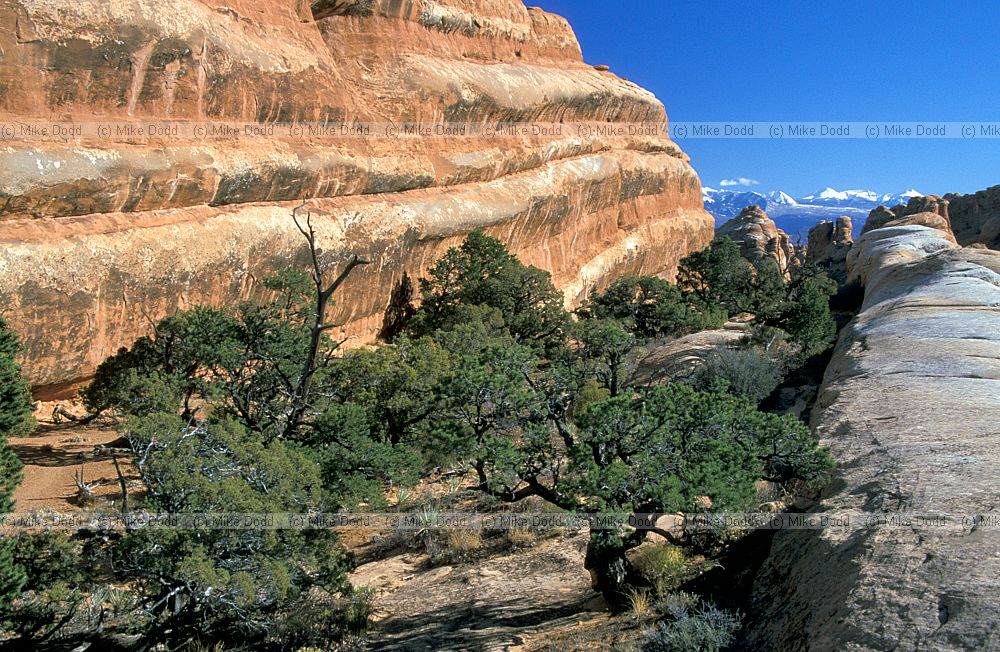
x=829 y=244
x=975 y=218
x=103 y=236
x=758 y=236
x=908 y=407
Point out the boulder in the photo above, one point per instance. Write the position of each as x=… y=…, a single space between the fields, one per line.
x=882 y=215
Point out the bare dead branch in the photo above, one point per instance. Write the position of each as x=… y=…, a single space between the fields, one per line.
x=324 y=293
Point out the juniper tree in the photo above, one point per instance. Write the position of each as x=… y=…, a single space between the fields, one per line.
x=483 y=272
x=15 y=417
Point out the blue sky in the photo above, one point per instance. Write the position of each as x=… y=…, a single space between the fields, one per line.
x=715 y=60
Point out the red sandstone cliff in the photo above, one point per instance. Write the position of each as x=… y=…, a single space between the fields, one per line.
x=102 y=236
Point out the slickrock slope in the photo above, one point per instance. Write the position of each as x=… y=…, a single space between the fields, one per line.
x=103 y=236
x=757 y=236
x=909 y=407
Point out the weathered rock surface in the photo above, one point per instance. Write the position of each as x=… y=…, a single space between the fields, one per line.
x=829 y=243
x=492 y=604
x=758 y=236
x=103 y=236
x=975 y=219
x=675 y=359
x=909 y=408
x=926 y=233
x=882 y=215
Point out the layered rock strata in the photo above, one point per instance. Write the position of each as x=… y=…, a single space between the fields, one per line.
x=102 y=236
x=908 y=407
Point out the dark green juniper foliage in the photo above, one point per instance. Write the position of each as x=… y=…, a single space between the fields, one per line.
x=518 y=419
x=482 y=272
x=255 y=410
x=800 y=306
x=237 y=412
x=649 y=306
x=15 y=418
x=604 y=346
x=649 y=452
x=215 y=582
x=720 y=276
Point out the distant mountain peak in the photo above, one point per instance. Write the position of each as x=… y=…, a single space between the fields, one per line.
x=832 y=194
x=827 y=193
x=781 y=197
x=796 y=215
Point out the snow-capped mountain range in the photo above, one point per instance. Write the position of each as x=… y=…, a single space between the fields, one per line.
x=796 y=216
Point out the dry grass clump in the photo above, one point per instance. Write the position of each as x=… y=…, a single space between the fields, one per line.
x=458 y=546
x=663 y=566
x=520 y=538
x=640 y=603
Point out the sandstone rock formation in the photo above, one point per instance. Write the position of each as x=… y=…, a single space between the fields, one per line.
x=882 y=215
x=758 y=236
x=975 y=219
x=103 y=235
x=909 y=408
x=829 y=243
x=677 y=359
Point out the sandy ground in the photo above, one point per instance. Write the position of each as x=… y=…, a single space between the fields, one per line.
x=516 y=601
x=508 y=602
x=55 y=454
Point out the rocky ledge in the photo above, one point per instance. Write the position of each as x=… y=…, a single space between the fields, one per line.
x=100 y=237
x=909 y=407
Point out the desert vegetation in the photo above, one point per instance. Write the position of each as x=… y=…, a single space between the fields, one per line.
x=258 y=410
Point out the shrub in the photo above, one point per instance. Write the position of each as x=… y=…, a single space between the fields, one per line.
x=320 y=619
x=701 y=628
x=15 y=399
x=799 y=304
x=15 y=418
x=604 y=346
x=49 y=558
x=663 y=566
x=482 y=272
x=748 y=373
x=675 y=604
x=227 y=580
x=720 y=276
x=807 y=318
